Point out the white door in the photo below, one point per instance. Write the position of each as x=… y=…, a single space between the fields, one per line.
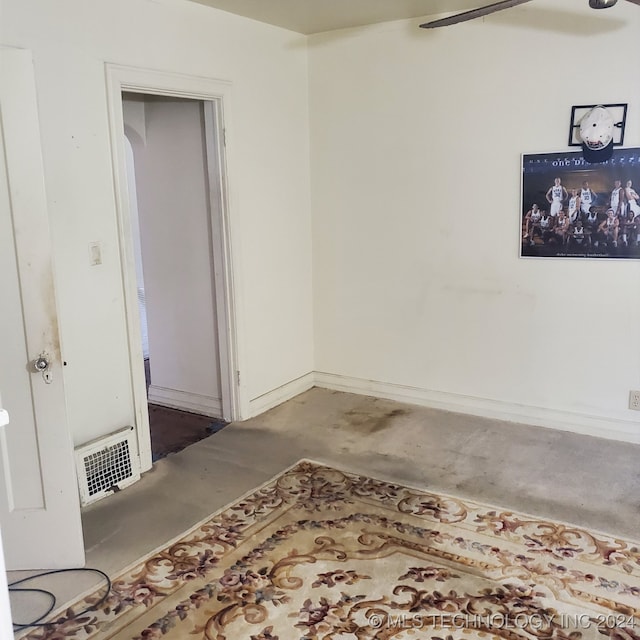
x=39 y=504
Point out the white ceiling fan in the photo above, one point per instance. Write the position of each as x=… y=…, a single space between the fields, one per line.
x=504 y=4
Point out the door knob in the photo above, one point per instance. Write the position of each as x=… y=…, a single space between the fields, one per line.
x=41 y=363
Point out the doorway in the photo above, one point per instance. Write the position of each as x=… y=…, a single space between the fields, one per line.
x=170 y=212
x=168 y=148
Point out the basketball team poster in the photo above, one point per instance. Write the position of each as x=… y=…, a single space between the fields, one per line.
x=573 y=209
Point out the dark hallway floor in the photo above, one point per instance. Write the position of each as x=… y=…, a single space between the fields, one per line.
x=172 y=430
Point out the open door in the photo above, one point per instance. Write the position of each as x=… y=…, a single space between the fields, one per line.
x=39 y=504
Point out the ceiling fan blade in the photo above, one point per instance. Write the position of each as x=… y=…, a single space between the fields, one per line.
x=478 y=13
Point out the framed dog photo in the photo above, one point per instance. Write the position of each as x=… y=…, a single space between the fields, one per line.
x=573 y=209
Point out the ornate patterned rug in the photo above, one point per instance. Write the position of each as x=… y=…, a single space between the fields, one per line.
x=319 y=553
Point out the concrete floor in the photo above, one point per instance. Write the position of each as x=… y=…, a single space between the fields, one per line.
x=588 y=481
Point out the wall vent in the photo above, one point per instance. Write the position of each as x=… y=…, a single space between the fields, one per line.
x=107 y=465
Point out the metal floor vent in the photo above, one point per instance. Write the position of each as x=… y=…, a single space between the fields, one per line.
x=107 y=465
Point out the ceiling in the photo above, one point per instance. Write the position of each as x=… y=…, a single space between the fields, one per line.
x=315 y=16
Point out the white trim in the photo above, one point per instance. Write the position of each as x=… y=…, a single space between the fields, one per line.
x=218 y=94
x=281 y=394
x=185 y=400
x=221 y=260
x=589 y=425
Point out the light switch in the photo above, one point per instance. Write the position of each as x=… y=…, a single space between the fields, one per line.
x=95 y=254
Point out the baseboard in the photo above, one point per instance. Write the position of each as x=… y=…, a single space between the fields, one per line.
x=194 y=402
x=597 y=426
x=281 y=394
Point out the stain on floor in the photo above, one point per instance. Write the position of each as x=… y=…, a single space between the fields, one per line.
x=368 y=422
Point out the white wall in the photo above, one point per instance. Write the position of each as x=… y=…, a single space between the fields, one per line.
x=175 y=230
x=419 y=292
x=268 y=174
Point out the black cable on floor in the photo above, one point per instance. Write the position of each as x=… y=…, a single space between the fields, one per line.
x=18 y=626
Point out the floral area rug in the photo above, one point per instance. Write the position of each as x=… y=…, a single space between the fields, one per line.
x=319 y=553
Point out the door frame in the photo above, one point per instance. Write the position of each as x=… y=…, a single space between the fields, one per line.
x=216 y=95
